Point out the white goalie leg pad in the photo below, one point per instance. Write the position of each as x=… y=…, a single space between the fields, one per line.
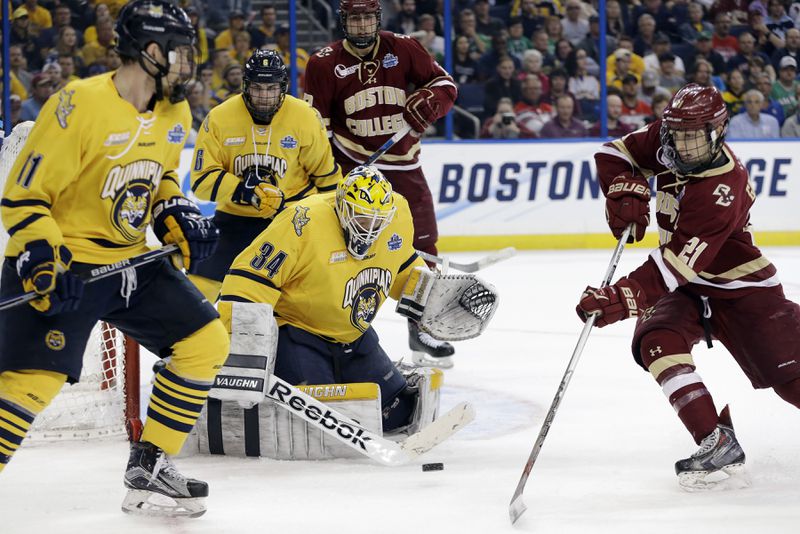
x=271 y=431
x=426 y=382
x=254 y=342
x=448 y=307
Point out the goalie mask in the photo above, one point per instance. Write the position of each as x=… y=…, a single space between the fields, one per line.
x=364 y=18
x=266 y=81
x=365 y=206
x=693 y=129
x=156 y=21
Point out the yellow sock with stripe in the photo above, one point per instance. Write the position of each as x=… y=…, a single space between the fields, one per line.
x=175 y=405
x=180 y=390
x=23 y=395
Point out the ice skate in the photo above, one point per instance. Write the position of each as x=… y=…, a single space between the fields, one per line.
x=156 y=488
x=718 y=464
x=425 y=350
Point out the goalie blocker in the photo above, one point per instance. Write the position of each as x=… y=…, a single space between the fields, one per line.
x=239 y=418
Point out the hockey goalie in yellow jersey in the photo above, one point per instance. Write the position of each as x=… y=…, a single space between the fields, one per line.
x=97 y=169
x=255 y=154
x=325 y=267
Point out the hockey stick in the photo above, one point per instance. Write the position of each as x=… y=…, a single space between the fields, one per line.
x=352 y=434
x=98 y=273
x=475 y=266
x=516 y=507
x=387 y=145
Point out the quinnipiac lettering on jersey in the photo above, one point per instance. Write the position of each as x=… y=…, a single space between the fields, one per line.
x=267 y=161
x=363 y=294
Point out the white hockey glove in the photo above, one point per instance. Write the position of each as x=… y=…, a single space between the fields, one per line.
x=448 y=307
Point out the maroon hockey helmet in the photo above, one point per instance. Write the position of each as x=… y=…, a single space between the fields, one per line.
x=360 y=7
x=693 y=129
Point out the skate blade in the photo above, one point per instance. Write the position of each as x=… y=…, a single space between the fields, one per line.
x=425 y=359
x=731 y=477
x=149 y=503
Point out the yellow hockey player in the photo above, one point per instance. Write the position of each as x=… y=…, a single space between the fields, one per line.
x=97 y=168
x=255 y=153
x=326 y=266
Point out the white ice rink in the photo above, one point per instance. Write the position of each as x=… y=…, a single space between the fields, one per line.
x=606 y=466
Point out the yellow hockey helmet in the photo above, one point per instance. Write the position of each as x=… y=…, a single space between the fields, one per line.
x=365 y=206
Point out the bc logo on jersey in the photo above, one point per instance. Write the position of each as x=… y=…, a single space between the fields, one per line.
x=130 y=208
x=364 y=293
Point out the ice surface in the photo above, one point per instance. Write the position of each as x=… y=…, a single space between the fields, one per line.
x=606 y=467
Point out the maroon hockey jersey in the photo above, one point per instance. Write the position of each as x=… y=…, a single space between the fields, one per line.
x=705 y=239
x=361 y=100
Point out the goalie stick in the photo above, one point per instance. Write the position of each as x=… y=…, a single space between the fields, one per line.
x=475 y=266
x=352 y=434
x=517 y=507
x=98 y=273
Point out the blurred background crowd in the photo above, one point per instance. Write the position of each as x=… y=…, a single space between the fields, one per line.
x=525 y=68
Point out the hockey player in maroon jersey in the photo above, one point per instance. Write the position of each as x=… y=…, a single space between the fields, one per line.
x=360 y=86
x=706 y=280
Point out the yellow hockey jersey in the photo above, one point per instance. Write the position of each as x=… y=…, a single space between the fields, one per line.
x=91 y=170
x=301 y=266
x=293 y=147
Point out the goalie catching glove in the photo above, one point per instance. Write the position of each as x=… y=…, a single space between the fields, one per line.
x=613 y=303
x=177 y=220
x=448 y=307
x=259 y=193
x=628 y=202
x=44 y=269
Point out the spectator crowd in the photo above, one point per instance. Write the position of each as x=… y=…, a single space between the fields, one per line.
x=525 y=68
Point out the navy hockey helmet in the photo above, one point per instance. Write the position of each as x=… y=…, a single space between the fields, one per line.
x=360 y=8
x=262 y=68
x=142 y=22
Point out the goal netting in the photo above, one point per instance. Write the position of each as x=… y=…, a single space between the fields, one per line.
x=105 y=402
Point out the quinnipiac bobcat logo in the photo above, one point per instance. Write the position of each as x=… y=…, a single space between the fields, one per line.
x=130 y=209
x=55 y=340
x=363 y=295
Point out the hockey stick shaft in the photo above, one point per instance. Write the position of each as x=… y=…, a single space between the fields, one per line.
x=475 y=266
x=387 y=145
x=517 y=506
x=349 y=432
x=98 y=273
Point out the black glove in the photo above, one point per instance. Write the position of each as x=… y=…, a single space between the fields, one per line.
x=177 y=220
x=44 y=269
x=259 y=193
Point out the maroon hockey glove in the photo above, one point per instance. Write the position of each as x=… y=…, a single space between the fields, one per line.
x=618 y=301
x=628 y=201
x=422 y=108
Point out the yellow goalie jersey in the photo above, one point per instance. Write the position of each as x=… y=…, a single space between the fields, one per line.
x=91 y=170
x=301 y=266
x=293 y=151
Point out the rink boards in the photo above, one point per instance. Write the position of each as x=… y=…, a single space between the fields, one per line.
x=545 y=195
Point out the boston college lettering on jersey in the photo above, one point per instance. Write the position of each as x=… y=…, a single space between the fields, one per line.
x=361 y=100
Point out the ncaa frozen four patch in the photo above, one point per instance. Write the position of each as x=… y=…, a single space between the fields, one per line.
x=288 y=142
x=176 y=134
x=395 y=242
x=389 y=60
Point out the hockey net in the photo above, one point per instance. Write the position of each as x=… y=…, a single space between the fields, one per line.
x=105 y=401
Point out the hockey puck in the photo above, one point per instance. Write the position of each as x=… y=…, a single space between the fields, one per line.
x=433 y=467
